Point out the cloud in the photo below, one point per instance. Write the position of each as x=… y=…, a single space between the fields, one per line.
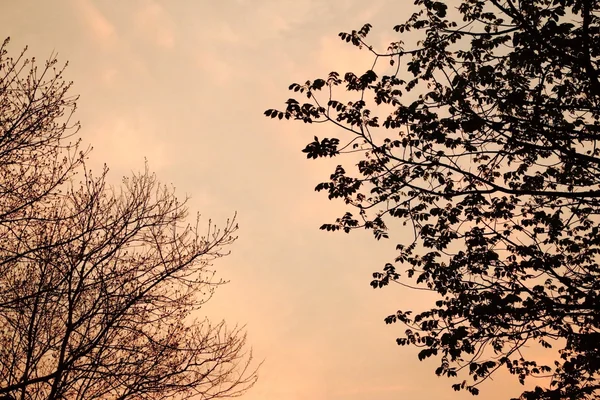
x=371 y=390
x=155 y=24
x=218 y=69
x=226 y=34
x=108 y=75
x=125 y=141
x=96 y=22
x=336 y=55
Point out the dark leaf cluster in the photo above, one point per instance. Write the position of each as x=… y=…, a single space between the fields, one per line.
x=481 y=147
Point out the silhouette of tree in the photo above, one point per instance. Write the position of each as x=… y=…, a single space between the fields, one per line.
x=99 y=285
x=481 y=141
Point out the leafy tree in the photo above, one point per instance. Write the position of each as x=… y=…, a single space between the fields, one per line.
x=98 y=284
x=482 y=139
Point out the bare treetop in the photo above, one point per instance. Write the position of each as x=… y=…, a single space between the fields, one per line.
x=100 y=287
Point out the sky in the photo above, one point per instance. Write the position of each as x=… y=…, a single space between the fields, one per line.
x=184 y=84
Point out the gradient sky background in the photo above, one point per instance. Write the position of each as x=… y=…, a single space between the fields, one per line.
x=185 y=84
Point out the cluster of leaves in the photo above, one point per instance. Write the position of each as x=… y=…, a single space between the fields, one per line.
x=98 y=284
x=485 y=144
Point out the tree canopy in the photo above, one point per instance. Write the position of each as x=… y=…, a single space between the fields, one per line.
x=480 y=140
x=100 y=286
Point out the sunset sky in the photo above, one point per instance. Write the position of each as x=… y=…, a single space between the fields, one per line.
x=184 y=84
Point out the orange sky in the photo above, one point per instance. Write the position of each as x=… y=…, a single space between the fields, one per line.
x=184 y=84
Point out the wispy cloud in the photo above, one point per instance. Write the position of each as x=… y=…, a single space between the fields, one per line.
x=155 y=24
x=131 y=139
x=214 y=65
x=95 y=21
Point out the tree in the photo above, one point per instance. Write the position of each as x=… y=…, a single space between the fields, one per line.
x=98 y=285
x=482 y=139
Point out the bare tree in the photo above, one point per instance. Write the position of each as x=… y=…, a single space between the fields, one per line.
x=36 y=155
x=99 y=285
